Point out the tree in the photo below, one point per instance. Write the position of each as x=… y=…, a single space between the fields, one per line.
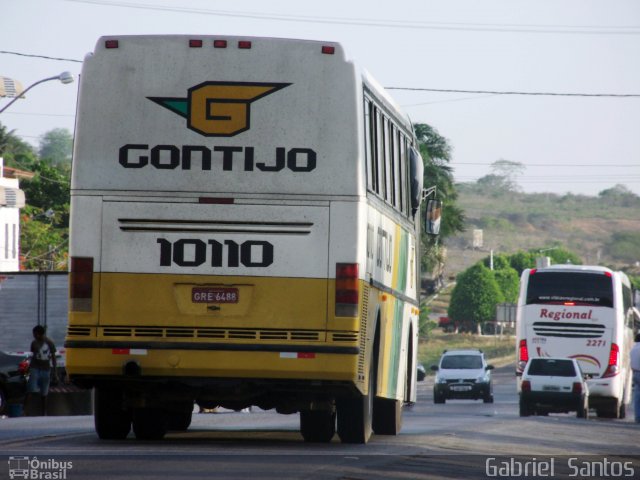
x=522 y=260
x=436 y=145
x=436 y=153
x=620 y=195
x=509 y=282
x=560 y=255
x=15 y=152
x=509 y=171
x=56 y=146
x=625 y=246
x=49 y=190
x=43 y=246
x=475 y=296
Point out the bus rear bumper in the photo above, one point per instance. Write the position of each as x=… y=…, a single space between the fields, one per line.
x=176 y=359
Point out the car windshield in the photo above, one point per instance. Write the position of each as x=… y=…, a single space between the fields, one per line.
x=554 y=368
x=462 y=362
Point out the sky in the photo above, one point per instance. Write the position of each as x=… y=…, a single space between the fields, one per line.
x=576 y=144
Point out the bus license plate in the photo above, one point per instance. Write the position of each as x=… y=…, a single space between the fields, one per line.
x=214 y=295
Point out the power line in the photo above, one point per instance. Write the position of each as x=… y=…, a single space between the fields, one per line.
x=453 y=26
x=41 y=114
x=604 y=165
x=20 y=54
x=487 y=93
x=495 y=92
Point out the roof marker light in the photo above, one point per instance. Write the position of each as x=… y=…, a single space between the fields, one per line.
x=244 y=44
x=328 y=49
x=219 y=44
x=195 y=43
x=216 y=200
x=111 y=44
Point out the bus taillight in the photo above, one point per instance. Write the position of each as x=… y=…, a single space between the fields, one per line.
x=613 y=368
x=81 y=284
x=523 y=355
x=347 y=290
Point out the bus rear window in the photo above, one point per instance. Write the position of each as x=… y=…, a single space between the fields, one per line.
x=562 y=287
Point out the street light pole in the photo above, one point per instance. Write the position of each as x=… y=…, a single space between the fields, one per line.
x=64 y=77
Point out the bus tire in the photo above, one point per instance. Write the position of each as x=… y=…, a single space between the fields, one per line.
x=180 y=421
x=150 y=423
x=317 y=426
x=612 y=409
x=387 y=416
x=112 y=420
x=622 y=411
x=355 y=415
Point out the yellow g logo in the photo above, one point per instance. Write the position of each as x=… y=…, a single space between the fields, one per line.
x=219 y=109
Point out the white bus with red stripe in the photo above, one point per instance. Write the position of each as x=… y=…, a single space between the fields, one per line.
x=585 y=313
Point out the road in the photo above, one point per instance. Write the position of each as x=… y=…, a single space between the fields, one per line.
x=452 y=440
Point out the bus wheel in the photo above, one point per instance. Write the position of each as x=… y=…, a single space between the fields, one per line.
x=387 y=416
x=622 y=411
x=583 y=410
x=317 y=426
x=180 y=420
x=611 y=410
x=112 y=420
x=354 y=415
x=149 y=423
x=525 y=410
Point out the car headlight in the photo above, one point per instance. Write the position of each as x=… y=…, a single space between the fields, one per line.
x=482 y=379
x=441 y=380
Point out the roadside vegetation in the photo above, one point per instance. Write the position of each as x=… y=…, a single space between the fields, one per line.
x=494 y=347
x=601 y=229
x=44 y=222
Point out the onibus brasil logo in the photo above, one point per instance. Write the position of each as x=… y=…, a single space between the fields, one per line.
x=219 y=109
x=32 y=468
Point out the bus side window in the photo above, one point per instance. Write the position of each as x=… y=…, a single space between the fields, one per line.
x=401 y=173
x=369 y=144
x=380 y=190
x=392 y=165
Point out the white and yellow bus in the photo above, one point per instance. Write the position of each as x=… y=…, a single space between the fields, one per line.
x=244 y=232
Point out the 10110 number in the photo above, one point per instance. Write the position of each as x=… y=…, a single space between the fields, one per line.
x=195 y=252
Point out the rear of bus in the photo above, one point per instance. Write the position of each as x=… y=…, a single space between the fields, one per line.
x=577 y=312
x=216 y=224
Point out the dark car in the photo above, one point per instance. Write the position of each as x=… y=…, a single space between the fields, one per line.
x=12 y=378
x=462 y=374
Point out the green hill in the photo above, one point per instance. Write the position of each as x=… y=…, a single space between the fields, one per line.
x=604 y=229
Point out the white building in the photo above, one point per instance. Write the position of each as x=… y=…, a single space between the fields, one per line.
x=11 y=200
